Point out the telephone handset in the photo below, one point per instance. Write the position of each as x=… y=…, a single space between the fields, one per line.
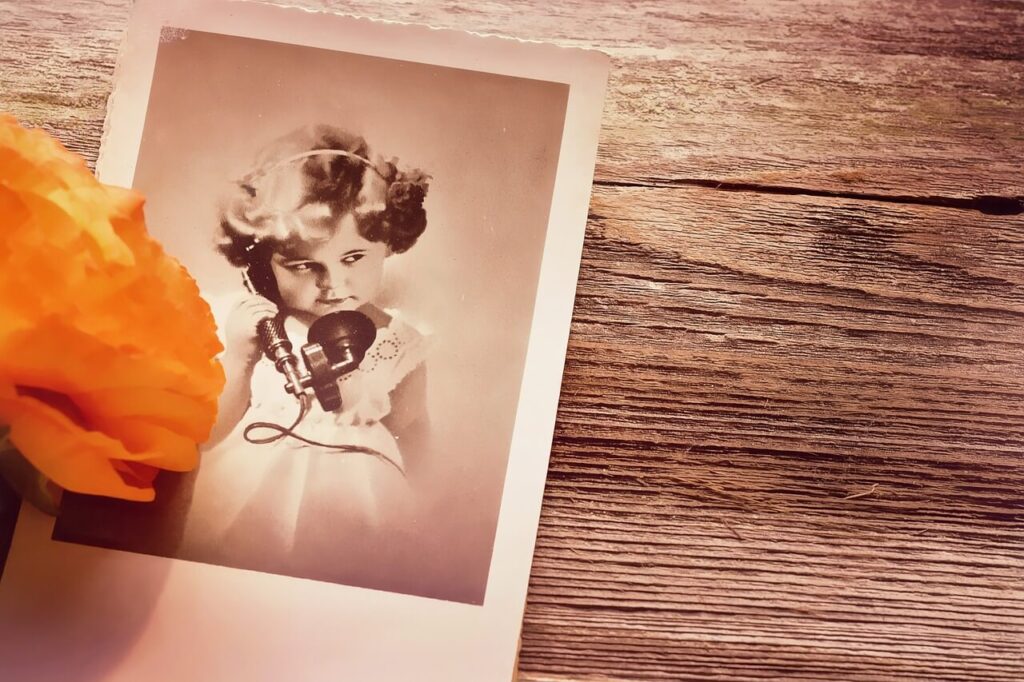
x=336 y=344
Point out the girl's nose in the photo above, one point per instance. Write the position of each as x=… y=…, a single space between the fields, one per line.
x=331 y=277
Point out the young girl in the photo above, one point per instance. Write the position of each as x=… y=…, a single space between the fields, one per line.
x=311 y=227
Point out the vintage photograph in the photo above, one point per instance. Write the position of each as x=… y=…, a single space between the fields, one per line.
x=368 y=233
x=386 y=222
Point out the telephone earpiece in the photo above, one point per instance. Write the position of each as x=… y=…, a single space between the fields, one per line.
x=259 y=279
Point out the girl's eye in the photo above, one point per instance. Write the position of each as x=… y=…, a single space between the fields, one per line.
x=350 y=259
x=299 y=267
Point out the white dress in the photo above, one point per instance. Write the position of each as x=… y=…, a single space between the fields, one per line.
x=306 y=510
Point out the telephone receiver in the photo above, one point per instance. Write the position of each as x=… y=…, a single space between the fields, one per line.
x=336 y=344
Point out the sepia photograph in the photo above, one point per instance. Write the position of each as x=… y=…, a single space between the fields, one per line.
x=368 y=233
x=375 y=229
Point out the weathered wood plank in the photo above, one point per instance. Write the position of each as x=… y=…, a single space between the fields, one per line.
x=790 y=444
x=851 y=96
x=802 y=297
x=802 y=324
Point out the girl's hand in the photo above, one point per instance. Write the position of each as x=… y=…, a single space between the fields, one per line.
x=240 y=336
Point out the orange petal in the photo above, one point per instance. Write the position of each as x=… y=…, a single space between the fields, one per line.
x=75 y=459
x=152 y=444
x=182 y=414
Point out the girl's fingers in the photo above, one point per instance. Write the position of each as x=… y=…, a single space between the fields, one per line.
x=262 y=312
x=257 y=301
x=258 y=307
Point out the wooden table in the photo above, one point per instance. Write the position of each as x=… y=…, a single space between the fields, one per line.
x=791 y=433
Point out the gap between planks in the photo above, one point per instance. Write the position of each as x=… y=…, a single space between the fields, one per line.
x=984 y=203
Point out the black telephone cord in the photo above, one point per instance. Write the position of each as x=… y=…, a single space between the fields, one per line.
x=289 y=432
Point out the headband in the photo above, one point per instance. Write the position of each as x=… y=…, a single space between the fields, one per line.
x=301 y=157
x=246 y=182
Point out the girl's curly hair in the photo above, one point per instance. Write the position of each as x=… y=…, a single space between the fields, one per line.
x=302 y=184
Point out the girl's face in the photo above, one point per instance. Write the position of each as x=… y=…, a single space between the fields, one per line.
x=342 y=272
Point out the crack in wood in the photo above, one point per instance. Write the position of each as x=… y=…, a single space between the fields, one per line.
x=988 y=204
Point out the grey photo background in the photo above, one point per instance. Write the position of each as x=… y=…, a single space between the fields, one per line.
x=491 y=144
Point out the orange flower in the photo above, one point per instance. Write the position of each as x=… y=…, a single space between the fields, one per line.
x=107 y=369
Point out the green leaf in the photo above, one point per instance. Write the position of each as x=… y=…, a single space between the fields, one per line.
x=25 y=479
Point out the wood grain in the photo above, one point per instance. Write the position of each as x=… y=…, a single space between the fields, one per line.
x=801 y=459
x=852 y=97
x=791 y=430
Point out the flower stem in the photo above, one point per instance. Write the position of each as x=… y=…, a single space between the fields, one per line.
x=27 y=481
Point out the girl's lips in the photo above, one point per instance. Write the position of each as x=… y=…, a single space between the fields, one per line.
x=333 y=301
